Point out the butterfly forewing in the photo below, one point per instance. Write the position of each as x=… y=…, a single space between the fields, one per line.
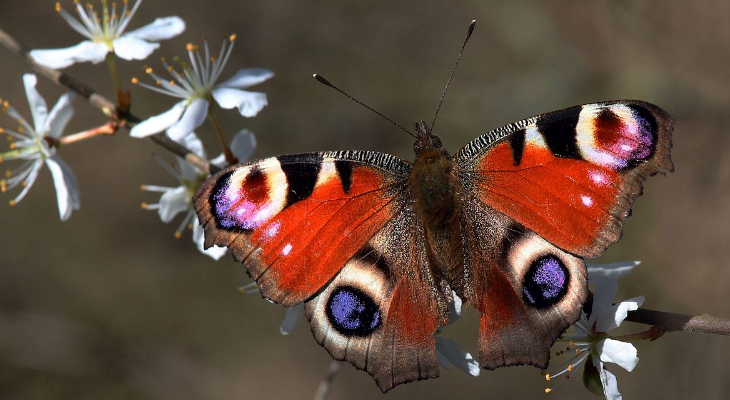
x=570 y=175
x=294 y=221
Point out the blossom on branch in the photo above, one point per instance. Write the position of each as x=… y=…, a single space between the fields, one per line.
x=588 y=340
x=35 y=146
x=196 y=85
x=175 y=200
x=106 y=34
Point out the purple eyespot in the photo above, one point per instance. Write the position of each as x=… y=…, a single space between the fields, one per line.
x=351 y=312
x=546 y=282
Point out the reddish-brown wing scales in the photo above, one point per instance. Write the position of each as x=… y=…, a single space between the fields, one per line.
x=375 y=246
x=294 y=221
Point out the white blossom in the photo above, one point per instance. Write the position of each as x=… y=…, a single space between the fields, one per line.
x=588 y=340
x=34 y=145
x=176 y=200
x=195 y=84
x=105 y=33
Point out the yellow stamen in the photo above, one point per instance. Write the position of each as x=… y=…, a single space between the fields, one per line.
x=3 y=187
x=2 y=131
x=24 y=183
x=570 y=367
x=135 y=80
x=148 y=70
x=172 y=83
x=547 y=377
x=144 y=206
x=190 y=226
x=89 y=6
x=21 y=129
x=548 y=390
x=190 y=47
x=570 y=343
x=8 y=173
x=232 y=37
x=143 y=187
x=170 y=68
x=58 y=6
x=12 y=203
x=178 y=234
x=158 y=83
x=577 y=351
x=12 y=146
x=76 y=1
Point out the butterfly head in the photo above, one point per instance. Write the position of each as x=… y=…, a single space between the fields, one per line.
x=427 y=142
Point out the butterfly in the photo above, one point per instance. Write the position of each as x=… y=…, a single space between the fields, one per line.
x=376 y=246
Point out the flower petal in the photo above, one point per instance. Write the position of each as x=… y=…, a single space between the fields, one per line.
x=173 y=202
x=448 y=351
x=242 y=146
x=214 y=252
x=159 y=29
x=247 y=77
x=193 y=117
x=60 y=115
x=248 y=103
x=613 y=316
x=608 y=380
x=620 y=353
x=158 y=123
x=605 y=278
x=292 y=318
x=67 y=187
x=38 y=106
x=131 y=48
x=188 y=171
x=62 y=58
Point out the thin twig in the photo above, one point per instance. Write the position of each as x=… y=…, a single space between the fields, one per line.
x=102 y=103
x=673 y=322
x=109 y=128
x=324 y=386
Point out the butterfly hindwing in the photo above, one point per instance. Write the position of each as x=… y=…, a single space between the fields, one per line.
x=382 y=309
x=527 y=290
x=294 y=221
x=570 y=175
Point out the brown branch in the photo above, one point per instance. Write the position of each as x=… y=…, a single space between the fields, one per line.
x=124 y=119
x=325 y=385
x=673 y=322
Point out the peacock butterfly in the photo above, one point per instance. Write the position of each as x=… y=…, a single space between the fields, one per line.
x=374 y=246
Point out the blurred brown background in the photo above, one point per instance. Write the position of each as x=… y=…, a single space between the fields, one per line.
x=109 y=305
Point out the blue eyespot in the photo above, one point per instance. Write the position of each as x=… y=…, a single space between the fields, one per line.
x=546 y=282
x=351 y=312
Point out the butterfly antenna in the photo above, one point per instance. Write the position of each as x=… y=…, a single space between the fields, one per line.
x=327 y=83
x=458 y=58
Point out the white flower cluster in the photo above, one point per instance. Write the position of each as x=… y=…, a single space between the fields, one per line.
x=194 y=82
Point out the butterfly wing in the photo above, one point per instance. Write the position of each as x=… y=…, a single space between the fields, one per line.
x=335 y=230
x=570 y=175
x=382 y=309
x=537 y=195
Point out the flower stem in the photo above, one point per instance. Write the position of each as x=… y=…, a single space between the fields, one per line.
x=109 y=128
x=230 y=158
x=324 y=386
x=111 y=63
